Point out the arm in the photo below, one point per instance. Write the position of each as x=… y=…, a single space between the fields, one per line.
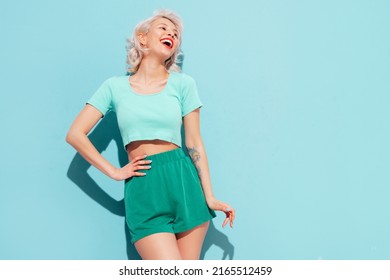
x=77 y=137
x=197 y=152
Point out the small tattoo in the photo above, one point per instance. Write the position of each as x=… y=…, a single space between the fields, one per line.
x=195 y=156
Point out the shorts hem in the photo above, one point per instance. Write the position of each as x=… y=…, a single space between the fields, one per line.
x=147 y=233
x=174 y=231
x=192 y=225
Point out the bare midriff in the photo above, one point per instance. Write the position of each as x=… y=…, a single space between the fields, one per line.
x=148 y=147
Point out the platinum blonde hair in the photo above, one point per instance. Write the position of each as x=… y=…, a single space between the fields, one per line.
x=135 y=51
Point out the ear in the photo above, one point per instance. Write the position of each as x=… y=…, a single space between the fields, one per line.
x=142 y=38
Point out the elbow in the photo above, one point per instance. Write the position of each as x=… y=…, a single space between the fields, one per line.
x=75 y=137
x=71 y=137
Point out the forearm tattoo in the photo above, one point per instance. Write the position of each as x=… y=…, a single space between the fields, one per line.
x=195 y=156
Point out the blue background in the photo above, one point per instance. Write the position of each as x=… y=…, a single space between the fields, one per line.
x=295 y=122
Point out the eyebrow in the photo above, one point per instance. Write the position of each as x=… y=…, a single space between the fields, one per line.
x=167 y=25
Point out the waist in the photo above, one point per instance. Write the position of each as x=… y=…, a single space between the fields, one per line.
x=166 y=157
x=148 y=147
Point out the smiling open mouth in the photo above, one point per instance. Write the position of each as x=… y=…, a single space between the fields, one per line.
x=167 y=42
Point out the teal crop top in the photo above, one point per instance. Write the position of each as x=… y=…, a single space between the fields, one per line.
x=148 y=116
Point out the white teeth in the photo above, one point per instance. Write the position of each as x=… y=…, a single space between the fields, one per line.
x=164 y=41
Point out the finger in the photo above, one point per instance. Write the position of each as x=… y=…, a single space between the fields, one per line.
x=232 y=217
x=232 y=213
x=225 y=222
x=139 y=174
x=138 y=158
x=144 y=162
x=138 y=167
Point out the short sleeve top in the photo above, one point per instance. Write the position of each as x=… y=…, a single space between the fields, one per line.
x=148 y=116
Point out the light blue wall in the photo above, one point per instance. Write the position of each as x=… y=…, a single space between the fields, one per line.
x=295 y=122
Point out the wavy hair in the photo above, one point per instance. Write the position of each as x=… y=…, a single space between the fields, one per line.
x=135 y=52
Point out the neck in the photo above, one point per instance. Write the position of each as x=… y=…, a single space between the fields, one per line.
x=151 y=70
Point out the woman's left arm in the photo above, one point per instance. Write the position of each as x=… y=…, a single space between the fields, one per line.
x=197 y=152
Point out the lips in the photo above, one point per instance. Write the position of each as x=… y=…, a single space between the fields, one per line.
x=167 y=42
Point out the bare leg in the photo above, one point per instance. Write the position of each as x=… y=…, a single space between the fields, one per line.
x=190 y=242
x=158 y=246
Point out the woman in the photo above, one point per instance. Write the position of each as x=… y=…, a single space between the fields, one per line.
x=168 y=196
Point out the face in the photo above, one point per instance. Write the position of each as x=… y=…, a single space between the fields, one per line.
x=162 y=38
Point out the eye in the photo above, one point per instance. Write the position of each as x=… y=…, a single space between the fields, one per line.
x=163 y=28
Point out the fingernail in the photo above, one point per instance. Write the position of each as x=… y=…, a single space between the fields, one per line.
x=228 y=209
x=150 y=161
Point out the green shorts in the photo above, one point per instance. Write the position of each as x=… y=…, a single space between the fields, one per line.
x=168 y=199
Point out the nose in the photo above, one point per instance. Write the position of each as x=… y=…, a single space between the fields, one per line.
x=171 y=33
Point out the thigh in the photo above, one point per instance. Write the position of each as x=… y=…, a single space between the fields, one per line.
x=190 y=242
x=158 y=246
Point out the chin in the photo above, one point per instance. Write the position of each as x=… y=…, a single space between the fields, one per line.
x=167 y=56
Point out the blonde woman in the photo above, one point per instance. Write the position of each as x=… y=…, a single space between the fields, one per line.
x=168 y=196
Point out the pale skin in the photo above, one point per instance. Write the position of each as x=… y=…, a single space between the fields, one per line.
x=152 y=77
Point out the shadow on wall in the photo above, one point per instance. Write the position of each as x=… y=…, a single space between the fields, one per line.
x=215 y=237
x=78 y=174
